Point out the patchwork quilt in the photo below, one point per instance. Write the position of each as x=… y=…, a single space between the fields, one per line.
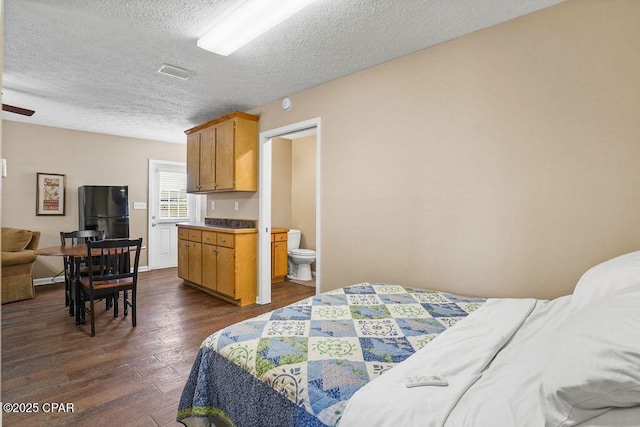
x=298 y=365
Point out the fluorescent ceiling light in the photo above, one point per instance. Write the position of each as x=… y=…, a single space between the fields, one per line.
x=251 y=19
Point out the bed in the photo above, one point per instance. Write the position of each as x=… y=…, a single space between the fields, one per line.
x=343 y=358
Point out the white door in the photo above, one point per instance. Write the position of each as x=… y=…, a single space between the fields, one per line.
x=169 y=204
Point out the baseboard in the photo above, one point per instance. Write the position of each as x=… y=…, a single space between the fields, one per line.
x=48 y=280
x=60 y=279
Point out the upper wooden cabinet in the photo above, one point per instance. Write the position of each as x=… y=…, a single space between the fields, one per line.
x=222 y=154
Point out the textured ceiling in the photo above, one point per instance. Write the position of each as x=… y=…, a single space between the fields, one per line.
x=91 y=65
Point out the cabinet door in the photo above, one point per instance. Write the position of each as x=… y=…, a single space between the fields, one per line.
x=193 y=162
x=195 y=262
x=226 y=279
x=183 y=259
x=208 y=159
x=209 y=269
x=225 y=159
x=280 y=259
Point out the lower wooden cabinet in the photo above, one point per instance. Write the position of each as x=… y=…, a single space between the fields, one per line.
x=183 y=259
x=210 y=274
x=278 y=255
x=222 y=263
x=227 y=272
x=219 y=265
x=190 y=256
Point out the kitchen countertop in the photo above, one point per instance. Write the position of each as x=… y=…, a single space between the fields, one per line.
x=218 y=228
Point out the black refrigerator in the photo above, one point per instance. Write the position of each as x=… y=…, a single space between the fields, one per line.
x=103 y=207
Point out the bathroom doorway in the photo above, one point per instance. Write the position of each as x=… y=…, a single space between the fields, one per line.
x=289 y=193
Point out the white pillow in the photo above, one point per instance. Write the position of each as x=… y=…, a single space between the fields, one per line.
x=594 y=364
x=607 y=278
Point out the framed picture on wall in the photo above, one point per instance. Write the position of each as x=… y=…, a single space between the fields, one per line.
x=50 y=194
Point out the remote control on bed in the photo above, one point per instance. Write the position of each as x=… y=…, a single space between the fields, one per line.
x=425 y=380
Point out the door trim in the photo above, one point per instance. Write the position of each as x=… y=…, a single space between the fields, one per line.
x=264 y=213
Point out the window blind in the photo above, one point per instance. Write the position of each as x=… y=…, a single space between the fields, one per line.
x=173 y=195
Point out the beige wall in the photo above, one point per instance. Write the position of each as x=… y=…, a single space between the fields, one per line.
x=281 y=182
x=503 y=163
x=86 y=159
x=303 y=190
x=293 y=186
x=248 y=205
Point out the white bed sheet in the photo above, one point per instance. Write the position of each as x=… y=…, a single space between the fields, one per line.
x=459 y=354
x=507 y=391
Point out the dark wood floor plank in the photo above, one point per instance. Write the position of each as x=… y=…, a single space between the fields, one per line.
x=123 y=375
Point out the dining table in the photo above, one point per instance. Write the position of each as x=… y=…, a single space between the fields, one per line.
x=77 y=253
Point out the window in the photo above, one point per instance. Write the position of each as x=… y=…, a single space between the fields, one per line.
x=173 y=195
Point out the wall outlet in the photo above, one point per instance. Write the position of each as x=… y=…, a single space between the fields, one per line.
x=213 y=204
x=235 y=206
x=139 y=205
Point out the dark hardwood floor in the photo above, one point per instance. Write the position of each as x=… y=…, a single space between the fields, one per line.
x=123 y=376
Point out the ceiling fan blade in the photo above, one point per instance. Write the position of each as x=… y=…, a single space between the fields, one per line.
x=17 y=110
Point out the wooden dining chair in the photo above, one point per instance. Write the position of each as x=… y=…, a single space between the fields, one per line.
x=110 y=272
x=79 y=237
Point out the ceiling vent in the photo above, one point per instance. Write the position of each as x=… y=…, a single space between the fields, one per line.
x=174 y=71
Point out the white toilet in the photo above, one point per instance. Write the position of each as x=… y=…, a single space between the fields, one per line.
x=299 y=260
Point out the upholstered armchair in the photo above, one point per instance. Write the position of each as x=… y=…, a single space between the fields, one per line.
x=18 y=256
